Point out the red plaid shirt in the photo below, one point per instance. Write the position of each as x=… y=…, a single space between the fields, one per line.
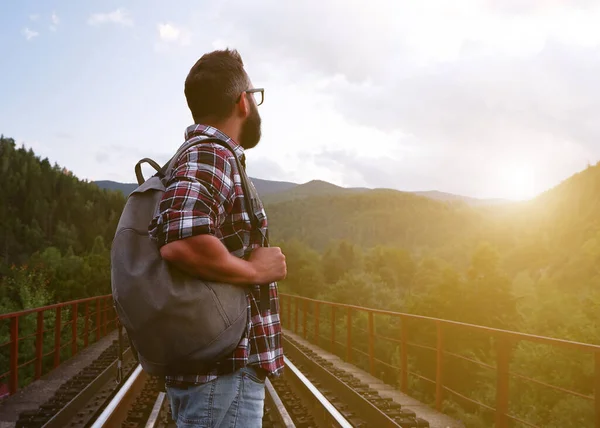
x=205 y=195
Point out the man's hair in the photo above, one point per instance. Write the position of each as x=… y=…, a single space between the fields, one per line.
x=214 y=84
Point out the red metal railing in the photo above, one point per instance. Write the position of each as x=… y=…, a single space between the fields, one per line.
x=504 y=342
x=93 y=316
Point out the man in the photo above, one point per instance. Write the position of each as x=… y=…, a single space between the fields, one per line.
x=202 y=221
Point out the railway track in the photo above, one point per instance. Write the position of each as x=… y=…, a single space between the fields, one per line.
x=291 y=401
x=311 y=393
x=79 y=398
x=359 y=404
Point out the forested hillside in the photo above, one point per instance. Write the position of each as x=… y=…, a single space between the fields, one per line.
x=532 y=267
x=378 y=217
x=54 y=231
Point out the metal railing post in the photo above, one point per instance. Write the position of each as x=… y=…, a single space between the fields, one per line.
x=289 y=312
x=39 y=344
x=502 y=381
x=317 y=323
x=13 y=384
x=404 y=354
x=105 y=318
x=371 y=344
x=296 y=315
x=333 y=329
x=73 y=329
x=86 y=325
x=349 y=335
x=304 y=311
x=98 y=319
x=57 y=331
x=439 y=373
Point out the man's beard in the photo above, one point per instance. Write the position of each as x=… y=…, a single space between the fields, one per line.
x=250 y=134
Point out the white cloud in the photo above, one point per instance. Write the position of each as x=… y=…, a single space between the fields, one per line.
x=169 y=34
x=34 y=17
x=55 y=21
x=29 y=34
x=118 y=16
x=477 y=89
x=399 y=36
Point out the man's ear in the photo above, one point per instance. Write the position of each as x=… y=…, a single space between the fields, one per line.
x=243 y=107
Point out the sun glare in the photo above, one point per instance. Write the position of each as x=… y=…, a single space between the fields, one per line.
x=518 y=182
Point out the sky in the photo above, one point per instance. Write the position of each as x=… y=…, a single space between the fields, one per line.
x=489 y=99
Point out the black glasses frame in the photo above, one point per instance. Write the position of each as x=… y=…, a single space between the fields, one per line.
x=254 y=91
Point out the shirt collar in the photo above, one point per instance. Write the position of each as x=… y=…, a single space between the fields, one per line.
x=210 y=131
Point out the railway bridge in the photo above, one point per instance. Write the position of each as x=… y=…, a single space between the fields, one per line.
x=346 y=366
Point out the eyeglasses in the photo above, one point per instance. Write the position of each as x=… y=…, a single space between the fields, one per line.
x=257 y=93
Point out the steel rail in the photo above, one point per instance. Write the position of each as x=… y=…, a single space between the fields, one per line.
x=364 y=408
x=153 y=419
x=64 y=415
x=275 y=403
x=116 y=410
x=323 y=410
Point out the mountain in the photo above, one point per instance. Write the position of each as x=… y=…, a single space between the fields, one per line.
x=451 y=197
x=263 y=187
x=323 y=188
x=280 y=191
x=561 y=227
x=312 y=188
x=267 y=187
x=125 y=188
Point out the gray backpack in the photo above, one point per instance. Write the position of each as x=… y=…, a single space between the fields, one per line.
x=177 y=323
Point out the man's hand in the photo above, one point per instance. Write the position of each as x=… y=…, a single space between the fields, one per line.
x=269 y=264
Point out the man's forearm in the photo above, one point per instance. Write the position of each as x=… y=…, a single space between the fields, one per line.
x=206 y=257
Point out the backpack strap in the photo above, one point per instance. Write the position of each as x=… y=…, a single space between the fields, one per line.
x=138 y=169
x=165 y=171
x=162 y=172
x=265 y=295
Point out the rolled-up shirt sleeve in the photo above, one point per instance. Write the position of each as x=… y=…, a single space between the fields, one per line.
x=198 y=196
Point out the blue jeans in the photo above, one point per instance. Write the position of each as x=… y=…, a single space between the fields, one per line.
x=233 y=400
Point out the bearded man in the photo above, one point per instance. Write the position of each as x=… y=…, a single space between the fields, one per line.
x=203 y=228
